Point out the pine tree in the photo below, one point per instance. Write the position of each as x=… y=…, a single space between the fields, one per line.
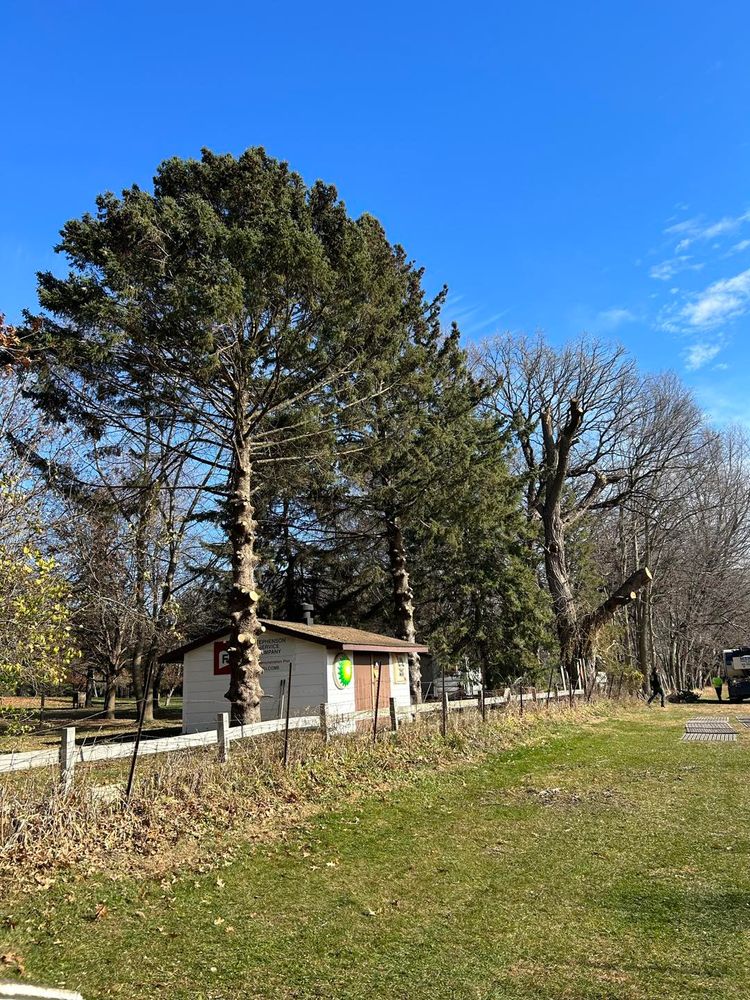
x=248 y=304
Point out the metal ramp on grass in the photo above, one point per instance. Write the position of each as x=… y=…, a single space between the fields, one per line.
x=744 y=720
x=709 y=730
x=708 y=737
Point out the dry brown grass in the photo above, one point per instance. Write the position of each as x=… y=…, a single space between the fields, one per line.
x=185 y=801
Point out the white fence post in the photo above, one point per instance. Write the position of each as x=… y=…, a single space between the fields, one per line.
x=222 y=736
x=67 y=758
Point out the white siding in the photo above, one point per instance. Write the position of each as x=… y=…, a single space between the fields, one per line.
x=341 y=700
x=203 y=691
x=312 y=681
x=400 y=690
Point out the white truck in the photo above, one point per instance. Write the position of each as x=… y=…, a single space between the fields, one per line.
x=737 y=672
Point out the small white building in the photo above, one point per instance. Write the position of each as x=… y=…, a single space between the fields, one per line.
x=329 y=663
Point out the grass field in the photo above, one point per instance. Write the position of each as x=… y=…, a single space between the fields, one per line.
x=42 y=729
x=611 y=861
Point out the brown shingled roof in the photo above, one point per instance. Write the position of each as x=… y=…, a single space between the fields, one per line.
x=338 y=636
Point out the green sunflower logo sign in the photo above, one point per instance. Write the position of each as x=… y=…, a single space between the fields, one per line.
x=343 y=671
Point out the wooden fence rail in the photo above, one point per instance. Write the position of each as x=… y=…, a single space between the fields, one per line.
x=328 y=720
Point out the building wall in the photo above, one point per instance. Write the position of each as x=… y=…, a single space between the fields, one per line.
x=340 y=700
x=343 y=701
x=400 y=691
x=203 y=690
x=312 y=681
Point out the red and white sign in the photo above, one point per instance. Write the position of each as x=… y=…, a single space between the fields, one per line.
x=221 y=658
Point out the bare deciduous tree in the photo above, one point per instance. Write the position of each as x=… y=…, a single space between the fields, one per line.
x=590 y=434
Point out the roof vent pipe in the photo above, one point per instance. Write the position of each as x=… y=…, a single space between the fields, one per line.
x=307 y=610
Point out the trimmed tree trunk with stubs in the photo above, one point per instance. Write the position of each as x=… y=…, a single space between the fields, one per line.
x=245 y=689
x=403 y=601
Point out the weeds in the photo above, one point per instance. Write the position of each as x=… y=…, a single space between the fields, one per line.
x=183 y=801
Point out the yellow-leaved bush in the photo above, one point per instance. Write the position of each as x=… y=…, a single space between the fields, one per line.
x=36 y=632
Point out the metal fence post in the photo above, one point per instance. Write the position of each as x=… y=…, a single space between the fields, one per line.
x=324 y=722
x=394 y=714
x=286 y=717
x=377 y=703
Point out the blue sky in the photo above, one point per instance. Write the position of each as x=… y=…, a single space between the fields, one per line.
x=564 y=166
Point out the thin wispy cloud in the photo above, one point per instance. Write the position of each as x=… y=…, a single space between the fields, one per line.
x=471 y=319
x=668 y=269
x=697 y=229
x=699 y=355
x=612 y=319
x=724 y=300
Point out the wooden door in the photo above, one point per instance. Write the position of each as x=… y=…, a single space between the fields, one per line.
x=366 y=683
x=385 y=680
x=362 y=681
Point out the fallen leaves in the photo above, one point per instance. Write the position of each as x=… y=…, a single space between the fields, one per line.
x=13 y=960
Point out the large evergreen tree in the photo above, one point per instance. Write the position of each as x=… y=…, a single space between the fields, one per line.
x=248 y=304
x=478 y=598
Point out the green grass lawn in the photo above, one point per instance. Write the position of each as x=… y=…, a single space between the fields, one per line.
x=42 y=730
x=609 y=862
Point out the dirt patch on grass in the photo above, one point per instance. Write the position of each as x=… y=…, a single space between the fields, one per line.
x=556 y=796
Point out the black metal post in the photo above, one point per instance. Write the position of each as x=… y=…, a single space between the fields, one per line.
x=379 y=665
x=572 y=684
x=444 y=698
x=286 y=718
x=141 y=716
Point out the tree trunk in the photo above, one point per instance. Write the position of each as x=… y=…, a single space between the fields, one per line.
x=90 y=687
x=140 y=674
x=156 y=676
x=403 y=600
x=642 y=614
x=643 y=651
x=162 y=621
x=110 y=696
x=245 y=689
x=592 y=623
x=558 y=581
x=292 y=600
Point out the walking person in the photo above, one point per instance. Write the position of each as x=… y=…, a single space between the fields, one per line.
x=717 y=683
x=657 y=688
